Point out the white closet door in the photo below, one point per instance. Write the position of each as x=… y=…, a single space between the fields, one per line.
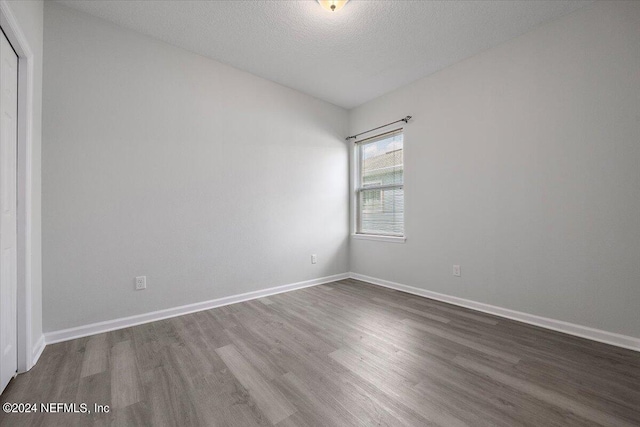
x=8 y=206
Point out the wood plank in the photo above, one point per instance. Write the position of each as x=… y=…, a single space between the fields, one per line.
x=421 y=313
x=396 y=387
x=457 y=311
x=270 y=400
x=547 y=395
x=96 y=356
x=462 y=341
x=125 y=384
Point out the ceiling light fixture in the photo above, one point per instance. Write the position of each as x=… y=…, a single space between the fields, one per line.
x=332 y=5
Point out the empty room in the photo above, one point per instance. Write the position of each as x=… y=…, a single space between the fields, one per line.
x=320 y=213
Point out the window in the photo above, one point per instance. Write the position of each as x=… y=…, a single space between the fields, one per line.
x=380 y=185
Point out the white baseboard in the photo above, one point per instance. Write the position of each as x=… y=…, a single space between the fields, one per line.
x=125 y=322
x=618 y=340
x=38 y=348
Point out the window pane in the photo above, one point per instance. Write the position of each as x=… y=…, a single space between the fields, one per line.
x=381 y=161
x=382 y=211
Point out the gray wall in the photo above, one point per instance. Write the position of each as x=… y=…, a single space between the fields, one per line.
x=523 y=166
x=159 y=162
x=29 y=15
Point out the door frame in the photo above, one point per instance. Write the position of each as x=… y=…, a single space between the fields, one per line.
x=18 y=41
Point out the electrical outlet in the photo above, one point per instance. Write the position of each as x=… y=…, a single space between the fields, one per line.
x=456 y=270
x=314 y=259
x=141 y=283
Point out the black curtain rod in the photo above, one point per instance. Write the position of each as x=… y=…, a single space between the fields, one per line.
x=406 y=120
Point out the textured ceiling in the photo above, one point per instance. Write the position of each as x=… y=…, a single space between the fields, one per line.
x=347 y=57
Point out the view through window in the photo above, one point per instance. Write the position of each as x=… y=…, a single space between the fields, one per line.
x=380 y=188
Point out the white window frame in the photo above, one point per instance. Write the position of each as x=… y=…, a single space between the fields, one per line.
x=357 y=188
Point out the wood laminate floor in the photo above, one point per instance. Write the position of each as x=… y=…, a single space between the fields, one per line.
x=342 y=354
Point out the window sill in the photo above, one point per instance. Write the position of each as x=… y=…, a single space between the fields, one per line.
x=379 y=238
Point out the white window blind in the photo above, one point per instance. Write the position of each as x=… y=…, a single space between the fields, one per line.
x=380 y=187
